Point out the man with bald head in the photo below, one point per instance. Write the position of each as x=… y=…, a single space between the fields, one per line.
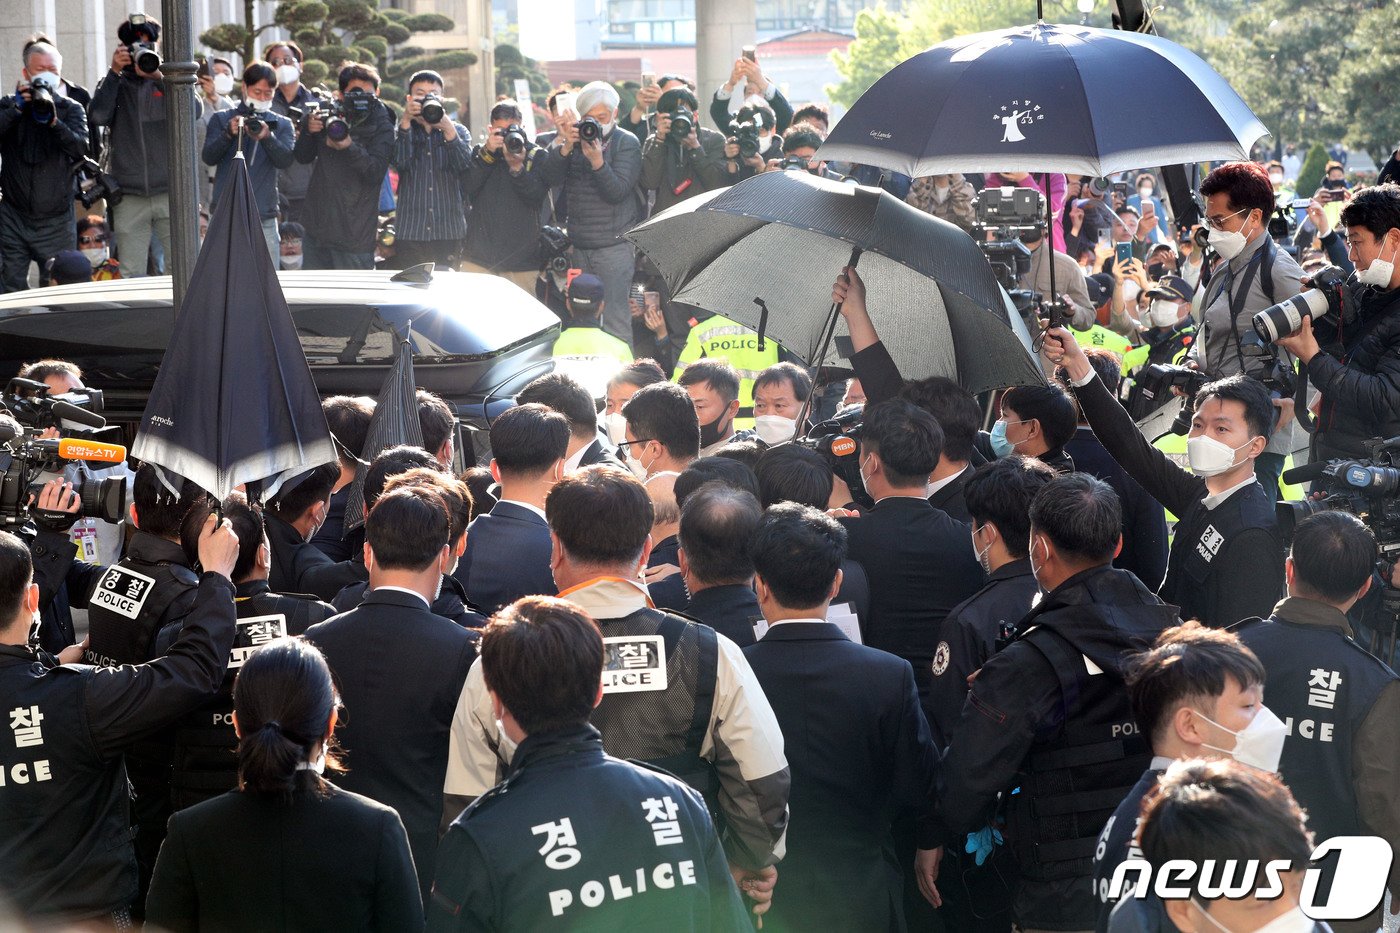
x=663 y=573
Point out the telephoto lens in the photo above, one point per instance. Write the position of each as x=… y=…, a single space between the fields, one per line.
x=432 y=110
x=146 y=58
x=1287 y=316
x=41 y=105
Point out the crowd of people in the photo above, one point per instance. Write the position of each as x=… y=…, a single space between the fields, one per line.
x=658 y=660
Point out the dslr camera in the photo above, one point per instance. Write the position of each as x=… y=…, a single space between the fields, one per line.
x=253 y=120
x=1155 y=382
x=143 y=54
x=589 y=130
x=514 y=139
x=431 y=109
x=1326 y=302
x=41 y=104
x=682 y=124
x=745 y=136
x=794 y=163
x=93 y=185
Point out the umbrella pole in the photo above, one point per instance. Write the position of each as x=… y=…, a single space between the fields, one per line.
x=1049 y=231
x=828 y=333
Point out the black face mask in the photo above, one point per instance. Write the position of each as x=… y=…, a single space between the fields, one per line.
x=711 y=433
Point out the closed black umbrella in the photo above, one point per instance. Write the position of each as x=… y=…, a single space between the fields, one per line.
x=234 y=401
x=765 y=252
x=395 y=422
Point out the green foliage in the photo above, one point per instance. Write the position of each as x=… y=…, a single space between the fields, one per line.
x=226 y=37
x=307 y=37
x=294 y=14
x=511 y=64
x=313 y=73
x=508 y=55
x=394 y=15
x=377 y=46
x=1367 y=83
x=1310 y=175
x=875 y=50
x=428 y=22
x=396 y=34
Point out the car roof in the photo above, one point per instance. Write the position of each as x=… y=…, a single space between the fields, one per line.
x=300 y=287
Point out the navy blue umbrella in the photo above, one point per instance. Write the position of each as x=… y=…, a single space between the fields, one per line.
x=1045 y=98
x=395 y=422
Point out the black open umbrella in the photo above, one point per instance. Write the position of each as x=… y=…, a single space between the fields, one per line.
x=765 y=252
x=395 y=422
x=234 y=401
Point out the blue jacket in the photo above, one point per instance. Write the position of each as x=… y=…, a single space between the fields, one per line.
x=507 y=557
x=264 y=157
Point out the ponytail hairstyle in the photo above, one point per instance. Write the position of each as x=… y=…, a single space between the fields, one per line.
x=284 y=699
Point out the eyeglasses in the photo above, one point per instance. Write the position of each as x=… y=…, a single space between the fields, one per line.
x=85 y=240
x=1218 y=223
x=625 y=447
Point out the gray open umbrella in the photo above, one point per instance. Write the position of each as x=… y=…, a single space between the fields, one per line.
x=781 y=238
x=395 y=422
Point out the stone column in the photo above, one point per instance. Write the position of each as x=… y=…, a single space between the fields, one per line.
x=180 y=105
x=722 y=28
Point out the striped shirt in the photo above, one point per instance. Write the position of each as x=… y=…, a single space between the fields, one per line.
x=431 y=204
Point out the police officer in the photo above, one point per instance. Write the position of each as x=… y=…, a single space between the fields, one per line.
x=583 y=338
x=1226 y=561
x=204 y=763
x=675 y=693
x=1049 y=712
x=66 y=853
x=1341 y=706
x=574 y=835
x=724 y=338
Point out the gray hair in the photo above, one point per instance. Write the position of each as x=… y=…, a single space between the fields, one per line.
x=595 y=93
x=43 y=48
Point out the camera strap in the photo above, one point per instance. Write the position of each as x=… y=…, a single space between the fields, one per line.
x=1263 y=257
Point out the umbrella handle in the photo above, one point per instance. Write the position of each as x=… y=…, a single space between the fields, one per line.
x=828 y=333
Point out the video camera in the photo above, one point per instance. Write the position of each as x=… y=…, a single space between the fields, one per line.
x=1368 y=488
x=1008 y=214
x=838 y=441
x=340 y=115
x=30 y=403
x=95 y=185
x=744 y=134
x=554 y=249
x=1158 y=379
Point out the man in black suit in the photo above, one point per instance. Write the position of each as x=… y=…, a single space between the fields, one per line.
x=566 y=395
x=293 y=517
x=718 y=523
x=664 y=581
x=348 y=417
x=959 y=415
x=508 y=548
x=400 y=668
x=857 y=741
x=919 y=562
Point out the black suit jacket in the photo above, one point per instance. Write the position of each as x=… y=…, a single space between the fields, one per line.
x=731 y=610
x=507 y=557
x=951 y=498
x=668 y=593
x=300 y=567
x=598 y=452
x=861 y=756
x=1144 y=551
x=246 y=861
x=400 y=671
x=920 y=565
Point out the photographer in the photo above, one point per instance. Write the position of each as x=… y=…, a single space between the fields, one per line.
x=640 y=121
x=341 y=214
x=506 y=186
x=1226 y=561
x=1254 y=275
x=800 y=145
x=292 y=100
x=66 y=854
x=1069 y=280
x=1359 y=372
x=599 y=169
x=432 y=154
x=131 y=103
x=42 y=133
x=264 y=138
x=756 y=88
x=755 y=120
x=679 y=165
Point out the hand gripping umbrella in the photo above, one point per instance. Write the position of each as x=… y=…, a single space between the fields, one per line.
x=1045 y=98
x=765 y=252
x=234 y=401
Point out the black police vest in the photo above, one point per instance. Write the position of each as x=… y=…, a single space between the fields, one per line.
x=66 y=843
x=1200 y=536
x=128 y=607
x=1073 y=781
x=662 y=726
x=1322 y=685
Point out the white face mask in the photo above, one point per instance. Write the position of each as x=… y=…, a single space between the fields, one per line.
x=291 y=263
x=607 y=128
x=96 y=255
x=984 y=555
x=1131 y=290
x=616 y=426
x=288 y=74
x=1209 y=457
x=1295 y=921
x=1259 y=744
x=638 y=468
x=261 y=106
x=223 y=84
x=1228 y=243
x=1276 y=179
x=775 y=429
x=1379 y=272
x=49 y=80
x=1161 y=313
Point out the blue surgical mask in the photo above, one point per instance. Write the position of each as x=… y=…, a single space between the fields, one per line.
x=1001 y=446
